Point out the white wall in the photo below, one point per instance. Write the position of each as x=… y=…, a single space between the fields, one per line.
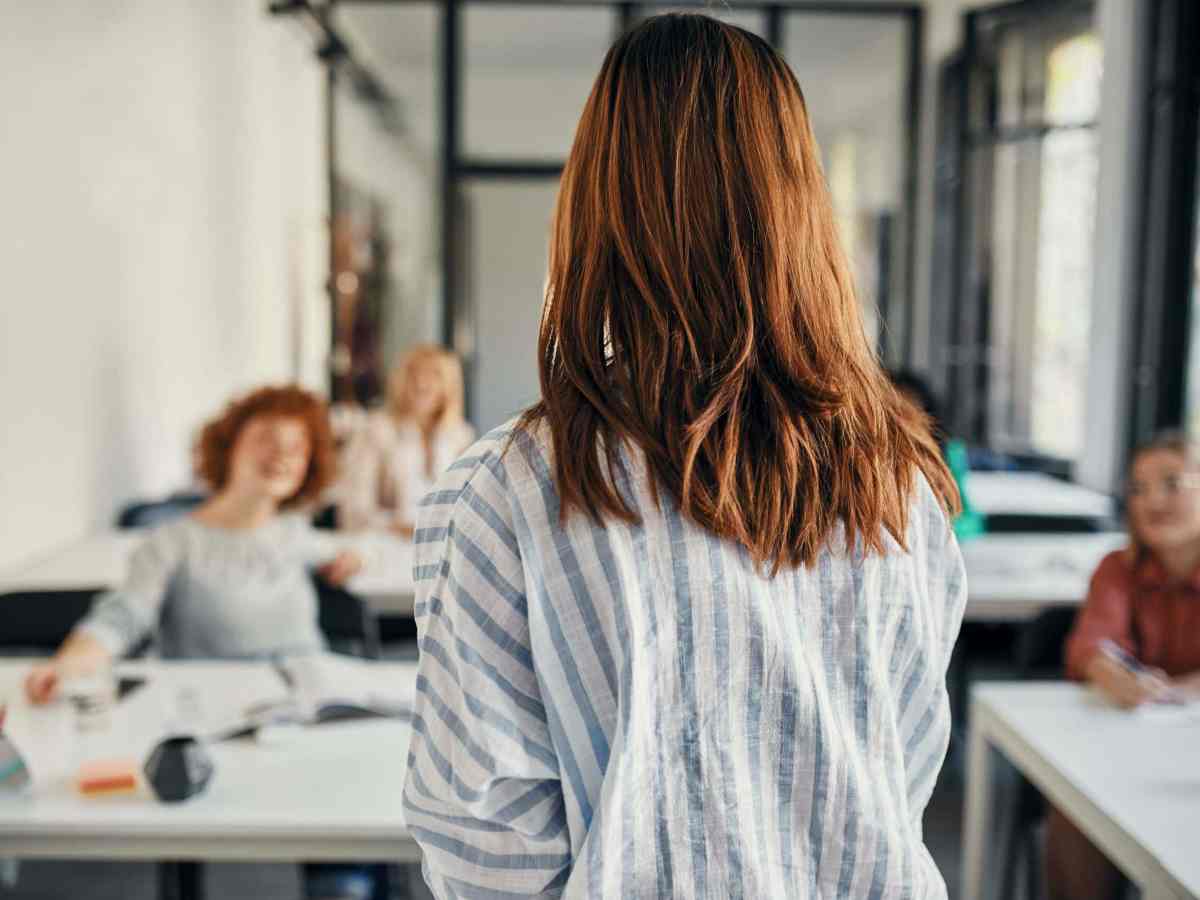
x=1120 y=24
x=510 y=231
x=160 y=239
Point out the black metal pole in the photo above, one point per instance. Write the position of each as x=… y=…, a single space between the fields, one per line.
x=775 y=27
x=450 y=104
x=331 y=168
x=912 y=164
x=958 y=382
x=627 y=16
x=180 y=880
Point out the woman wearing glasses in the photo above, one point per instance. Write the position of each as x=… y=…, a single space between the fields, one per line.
x=1137 y=638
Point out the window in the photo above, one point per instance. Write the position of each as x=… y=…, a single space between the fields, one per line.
x=1062 y=311
x=1017 y=201
x=859 y=115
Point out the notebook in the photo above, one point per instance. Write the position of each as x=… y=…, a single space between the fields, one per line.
x=324 y=688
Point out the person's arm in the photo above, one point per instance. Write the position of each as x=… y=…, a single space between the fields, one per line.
x=1189 y=684
x=335 y=556
x=117 y=622
x=80 y=654
x=1107 y=616
x=482 y=797
x=359 y=505
x=946 y=581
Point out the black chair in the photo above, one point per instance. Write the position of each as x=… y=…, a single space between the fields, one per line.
x=347 y=621
x=1029 y=523
x=144 y=513
x=1040 y=656
x=41 y=621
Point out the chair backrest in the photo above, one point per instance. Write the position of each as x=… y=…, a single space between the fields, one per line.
x=37 y=622
x=1040 y=651
x=144 y=513
x=347 y=621
x=1032 y=523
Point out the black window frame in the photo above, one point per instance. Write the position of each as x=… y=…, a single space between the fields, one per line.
x=897 y=337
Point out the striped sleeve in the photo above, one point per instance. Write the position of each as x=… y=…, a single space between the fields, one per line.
x=482 y=796
x=945 y=594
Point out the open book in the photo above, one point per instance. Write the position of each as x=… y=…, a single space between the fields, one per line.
x=325 y=688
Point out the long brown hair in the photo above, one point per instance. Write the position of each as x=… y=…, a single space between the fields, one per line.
x=699 y=304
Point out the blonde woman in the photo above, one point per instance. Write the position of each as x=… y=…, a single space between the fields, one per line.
x=402 y=448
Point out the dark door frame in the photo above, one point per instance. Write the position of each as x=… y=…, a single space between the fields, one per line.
x=897 y=342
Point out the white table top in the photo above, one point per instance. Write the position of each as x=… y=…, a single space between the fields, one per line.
x=327 y=792
x=1129 y=780
x=1013 y=577
x=100 y=561
x=1032 y=493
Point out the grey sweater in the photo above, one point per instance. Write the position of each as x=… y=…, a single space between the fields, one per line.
x=207 y=592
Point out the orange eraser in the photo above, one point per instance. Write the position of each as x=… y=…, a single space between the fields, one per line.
x=107 y=776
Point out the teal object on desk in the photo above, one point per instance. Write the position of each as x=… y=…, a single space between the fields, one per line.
x=970 y=522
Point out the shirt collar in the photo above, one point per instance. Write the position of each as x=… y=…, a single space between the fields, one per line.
x=1150 y=573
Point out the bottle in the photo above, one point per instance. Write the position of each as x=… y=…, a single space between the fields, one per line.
x=970 y=523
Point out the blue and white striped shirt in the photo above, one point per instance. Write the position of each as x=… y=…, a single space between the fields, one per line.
x=638 y=711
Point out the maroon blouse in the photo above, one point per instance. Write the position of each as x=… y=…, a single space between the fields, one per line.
x=1135 y=606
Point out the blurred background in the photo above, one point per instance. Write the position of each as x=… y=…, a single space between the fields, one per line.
x=197 y=198
x=202 y=197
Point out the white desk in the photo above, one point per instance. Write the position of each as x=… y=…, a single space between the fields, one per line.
x=333 y=793
x=1013 y=577
x=99 y=561
x=1032 y=493
x=1132 y=784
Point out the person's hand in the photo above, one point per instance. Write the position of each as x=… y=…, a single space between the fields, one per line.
x=41 y=684
x=342 y=567
x=1127 y=689
x=1188 y=685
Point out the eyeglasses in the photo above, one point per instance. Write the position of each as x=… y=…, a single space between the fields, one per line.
x=1171 y=485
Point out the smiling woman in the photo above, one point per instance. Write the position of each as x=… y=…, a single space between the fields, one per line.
x=235 y=572
x=282 y=432
x=232 y=580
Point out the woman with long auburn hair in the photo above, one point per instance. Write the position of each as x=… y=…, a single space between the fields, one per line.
x=685 y=624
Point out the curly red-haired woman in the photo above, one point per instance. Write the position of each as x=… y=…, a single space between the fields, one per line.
x=236 y=570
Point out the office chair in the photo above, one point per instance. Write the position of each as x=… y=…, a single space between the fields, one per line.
x=1039 y=656
x=347 y=621
x=44 y=620
x=1028 y=523
x=144 y=513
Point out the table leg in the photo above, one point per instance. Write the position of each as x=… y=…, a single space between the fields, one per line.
x=1157 y=892
x=978 y=810
x=182 y=880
